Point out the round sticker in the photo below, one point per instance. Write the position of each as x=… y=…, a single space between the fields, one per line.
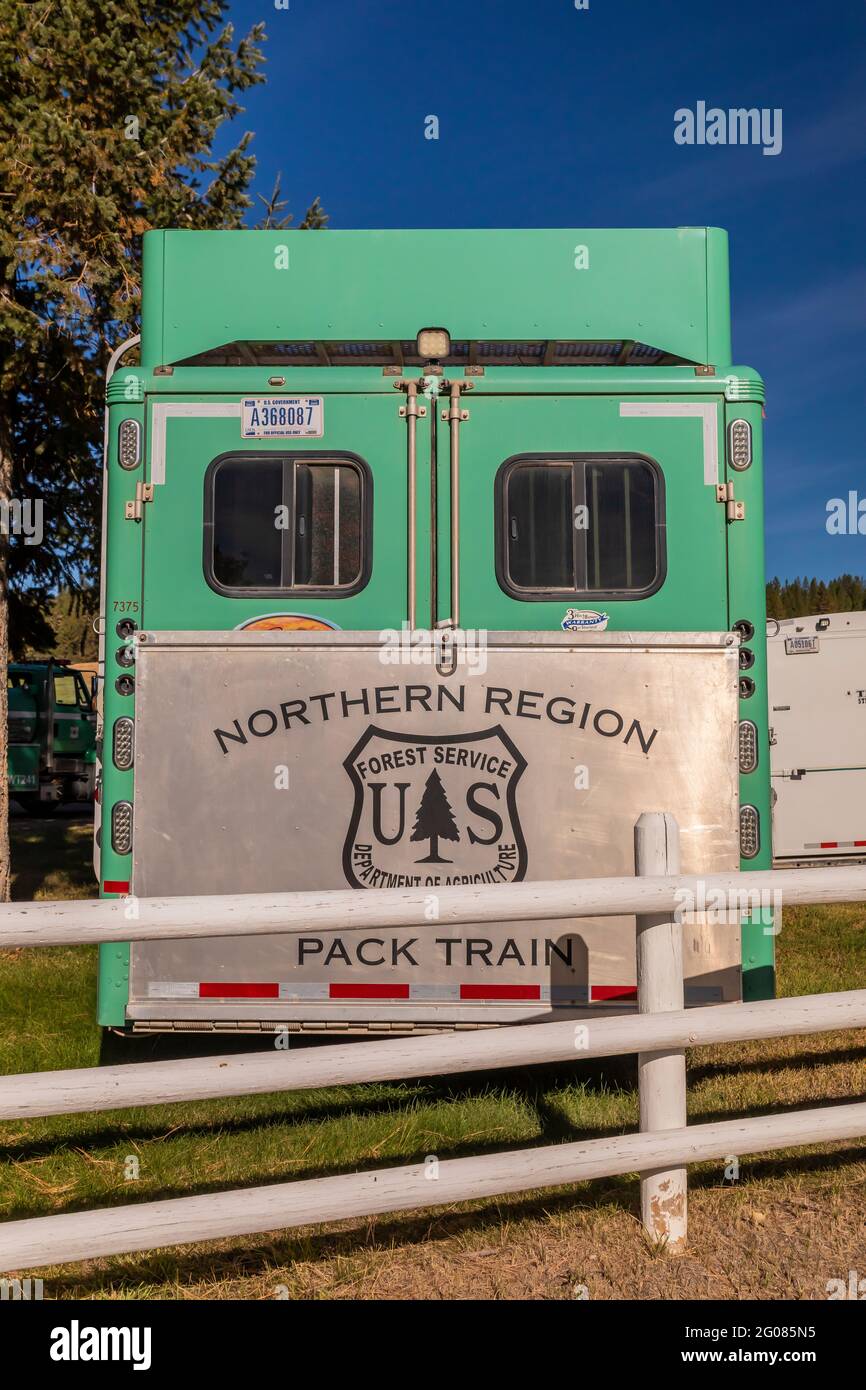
x=287 y=622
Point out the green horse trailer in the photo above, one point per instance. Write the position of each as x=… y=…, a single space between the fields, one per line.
x=430 y=557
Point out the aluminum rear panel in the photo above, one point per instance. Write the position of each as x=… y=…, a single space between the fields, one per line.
x=297 y=761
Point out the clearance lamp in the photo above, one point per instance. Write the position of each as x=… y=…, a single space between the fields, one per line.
x=433 y=344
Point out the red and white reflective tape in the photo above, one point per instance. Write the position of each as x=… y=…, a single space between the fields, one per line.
x=606 y=994
x=837 y=844
x=301 y=992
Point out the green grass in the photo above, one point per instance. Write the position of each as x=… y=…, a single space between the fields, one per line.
x=47 y=1007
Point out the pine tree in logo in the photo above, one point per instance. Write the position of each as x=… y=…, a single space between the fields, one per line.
x=434 y=820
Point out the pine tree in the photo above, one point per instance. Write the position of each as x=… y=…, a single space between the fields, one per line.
x=800 y=598
x=434 y=820
x=315 y=217
x=774 y=599
x=109 y=115
x=71 y=617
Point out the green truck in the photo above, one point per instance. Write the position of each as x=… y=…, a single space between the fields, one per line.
x=52 y=735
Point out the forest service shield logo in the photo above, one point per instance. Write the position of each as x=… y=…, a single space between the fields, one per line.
x=432 y=810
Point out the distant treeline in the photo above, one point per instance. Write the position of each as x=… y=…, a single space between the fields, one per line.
x=798 y=597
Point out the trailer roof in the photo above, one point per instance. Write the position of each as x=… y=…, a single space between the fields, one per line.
x=224 y=294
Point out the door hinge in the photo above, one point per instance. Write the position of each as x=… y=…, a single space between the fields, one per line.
x=143 y=493
x=734 y=510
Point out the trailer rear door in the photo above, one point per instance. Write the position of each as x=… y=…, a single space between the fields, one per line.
x=278 y=760
x=253 y=523
x=281 y=761
x=582 y=505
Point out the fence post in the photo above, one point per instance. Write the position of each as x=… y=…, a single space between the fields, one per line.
x=661 y=1075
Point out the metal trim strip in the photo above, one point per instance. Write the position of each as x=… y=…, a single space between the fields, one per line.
x=706 y=411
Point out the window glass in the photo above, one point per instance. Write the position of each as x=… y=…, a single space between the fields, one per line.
x=65 y=691
x=621 y=532
x=247 y=544
x=83 y=691
x=281 y=523
x=351 y=524
x=581 y=525
x=540 y=532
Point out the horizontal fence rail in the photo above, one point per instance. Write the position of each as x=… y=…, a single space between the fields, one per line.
x=29 y=1095
x=52 y=1240
x=658 y=897
x=69 y=923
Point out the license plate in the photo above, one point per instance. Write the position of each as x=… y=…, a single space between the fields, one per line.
x=794 y=645
x=283 y=417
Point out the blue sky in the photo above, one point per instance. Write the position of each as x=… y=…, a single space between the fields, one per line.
x=550 y=116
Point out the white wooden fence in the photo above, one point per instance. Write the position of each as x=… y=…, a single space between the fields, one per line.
x=660 y=1152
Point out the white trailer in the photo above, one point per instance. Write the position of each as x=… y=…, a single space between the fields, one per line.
x=817 y=690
